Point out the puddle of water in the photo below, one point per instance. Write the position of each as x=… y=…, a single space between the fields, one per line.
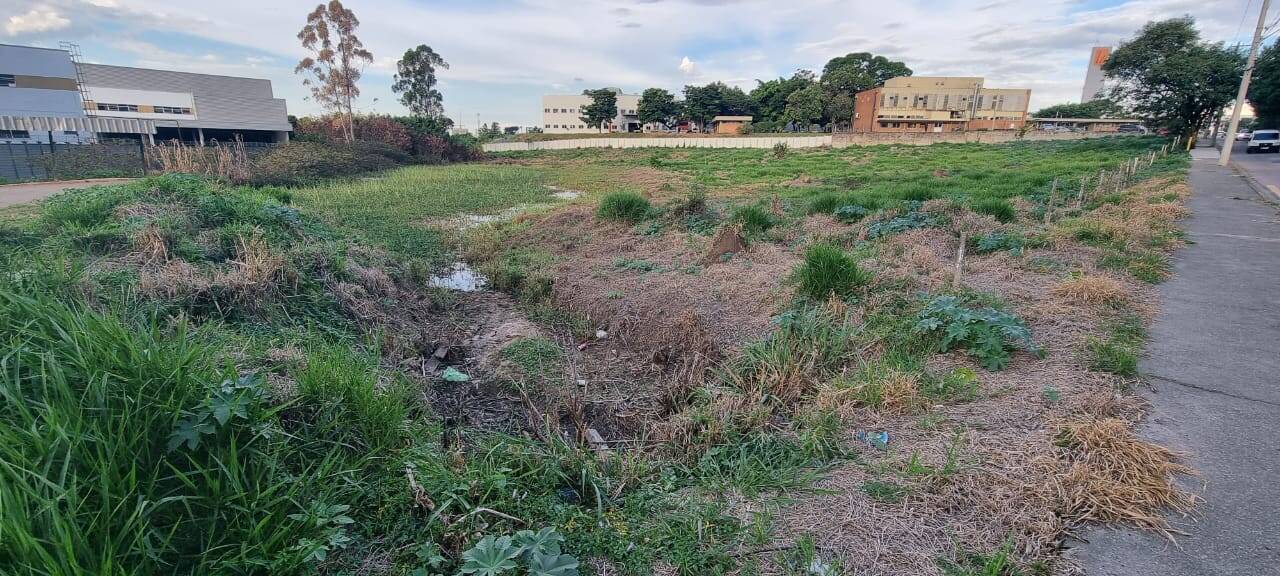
x=563 y=193
x=459 y=277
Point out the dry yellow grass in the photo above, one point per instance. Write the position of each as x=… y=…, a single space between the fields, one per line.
x=1112 y=476
x=1162 y=211
x=1090 y=290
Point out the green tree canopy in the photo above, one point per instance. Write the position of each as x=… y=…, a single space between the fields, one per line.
x=853 y=73
x=1169 y=76
x=806 y=106
x=770 y=98
x=1100 y=108
x=415 y=81
x=702 y=103
x=657 y=106
x=603 y=107
x=1264 y=89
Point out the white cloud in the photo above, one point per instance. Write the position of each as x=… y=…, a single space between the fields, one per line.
x=686 y=66
x=39 y=19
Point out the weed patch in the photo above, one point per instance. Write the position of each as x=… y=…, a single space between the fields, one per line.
x=985 y=333
x=623 y=206
x=829 y=270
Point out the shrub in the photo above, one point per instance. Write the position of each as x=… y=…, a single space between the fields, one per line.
x=753 y=219
x=302 y=163
x=911 y=220
x=780 y=150
x=623 y=206
x=384 y=130
x=851 y=213
x=828 y=270
x=997 y=208
x=985 y=333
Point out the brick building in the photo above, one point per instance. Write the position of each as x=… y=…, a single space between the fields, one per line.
x=939 y=104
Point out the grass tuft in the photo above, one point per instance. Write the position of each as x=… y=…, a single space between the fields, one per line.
x=623 y=206
x=997 y=208
x=828 y=270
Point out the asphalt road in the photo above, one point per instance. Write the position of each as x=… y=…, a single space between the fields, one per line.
x=1214 y=377
x=1265 y=168
x=20 y=193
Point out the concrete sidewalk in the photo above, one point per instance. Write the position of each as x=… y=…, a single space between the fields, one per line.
x=1214 y=367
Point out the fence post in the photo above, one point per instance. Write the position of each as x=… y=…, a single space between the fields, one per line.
x=1053 y=199
x=142 y=152
x=1080 y=196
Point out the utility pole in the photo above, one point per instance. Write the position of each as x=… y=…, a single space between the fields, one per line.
x=1225 y=158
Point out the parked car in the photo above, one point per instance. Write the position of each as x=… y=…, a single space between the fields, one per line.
x=1263 y=141
x=1243 y=136
x=1132 y=128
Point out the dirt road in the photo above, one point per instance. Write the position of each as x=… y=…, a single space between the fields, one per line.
x=19 y=193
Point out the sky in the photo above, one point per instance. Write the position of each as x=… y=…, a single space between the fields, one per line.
x=504 y=55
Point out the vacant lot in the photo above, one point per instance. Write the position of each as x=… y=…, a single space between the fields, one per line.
x=689 y=361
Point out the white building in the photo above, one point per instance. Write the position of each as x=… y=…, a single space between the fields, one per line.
x=1094 y=76
x=562 y=114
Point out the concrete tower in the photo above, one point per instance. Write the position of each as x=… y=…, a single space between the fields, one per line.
x=1094 y=76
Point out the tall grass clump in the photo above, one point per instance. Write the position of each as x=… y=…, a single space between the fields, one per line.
x=125 y=450
x=623 y=206
x=997 y=208
x=753 y=219
x=827 y=270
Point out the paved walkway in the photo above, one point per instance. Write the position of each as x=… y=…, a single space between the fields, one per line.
x=1214 y=366
x=20 y=193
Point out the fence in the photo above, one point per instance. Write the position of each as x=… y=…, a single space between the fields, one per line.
x=117 y=159
x=664 y=142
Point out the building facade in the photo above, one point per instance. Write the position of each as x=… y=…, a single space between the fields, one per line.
x=1094 y=76
x=562 y=114
x=43 y=88
x=939 y=104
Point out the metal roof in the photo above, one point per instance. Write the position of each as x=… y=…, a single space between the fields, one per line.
x=78 y=124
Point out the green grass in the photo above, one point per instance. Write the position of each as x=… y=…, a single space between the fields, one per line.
x=829 y=270
x=624 y=207
x=536 y=358
x=1118 y=352
x=753 y=219
x=997 y=208
x=395 y=209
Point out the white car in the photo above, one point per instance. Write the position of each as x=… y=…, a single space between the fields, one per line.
x=1243 y=136
x=1264 y=141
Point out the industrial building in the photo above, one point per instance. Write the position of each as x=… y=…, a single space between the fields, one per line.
x=48 y=94
x=939 y=104
x=562 y=114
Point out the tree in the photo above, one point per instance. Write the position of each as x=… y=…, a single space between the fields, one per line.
x=770 y=98
x=1264 y=89
x=657 y=106
x=603 y=107
x=415 y=81
x=1169 y=76
x=1100 y=108
x=853 y=73
x=335 y=67
x=702 y=103
x=806 y=106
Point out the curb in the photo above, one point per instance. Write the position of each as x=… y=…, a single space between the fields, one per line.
x=1269 y=194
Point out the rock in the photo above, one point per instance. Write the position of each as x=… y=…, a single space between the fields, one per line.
x=601 y=334
x=728 y=240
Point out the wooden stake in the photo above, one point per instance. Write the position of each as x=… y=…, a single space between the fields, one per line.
x=959 y=272
x=1053 y=199
x=1080 y=196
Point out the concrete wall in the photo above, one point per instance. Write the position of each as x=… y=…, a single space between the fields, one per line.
x=839 y=140
x=984 y=137
x=670 y=142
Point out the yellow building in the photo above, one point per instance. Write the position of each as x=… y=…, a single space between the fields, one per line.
x=939 y=104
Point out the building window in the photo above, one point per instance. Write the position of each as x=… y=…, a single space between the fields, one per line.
x=70 y=133
x=14 y=134
x=171 y=110
x=546 y=110
x=118 y=107
x=6 y=81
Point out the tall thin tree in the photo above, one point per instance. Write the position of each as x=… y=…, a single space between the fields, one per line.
x=415 y=81
x=339 y=56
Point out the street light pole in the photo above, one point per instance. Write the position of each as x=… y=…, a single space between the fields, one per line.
x=1225 y=157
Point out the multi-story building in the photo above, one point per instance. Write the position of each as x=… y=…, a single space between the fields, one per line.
x=45 y=93
x=939 y=104
x=1094 y=76
x=562 y=114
